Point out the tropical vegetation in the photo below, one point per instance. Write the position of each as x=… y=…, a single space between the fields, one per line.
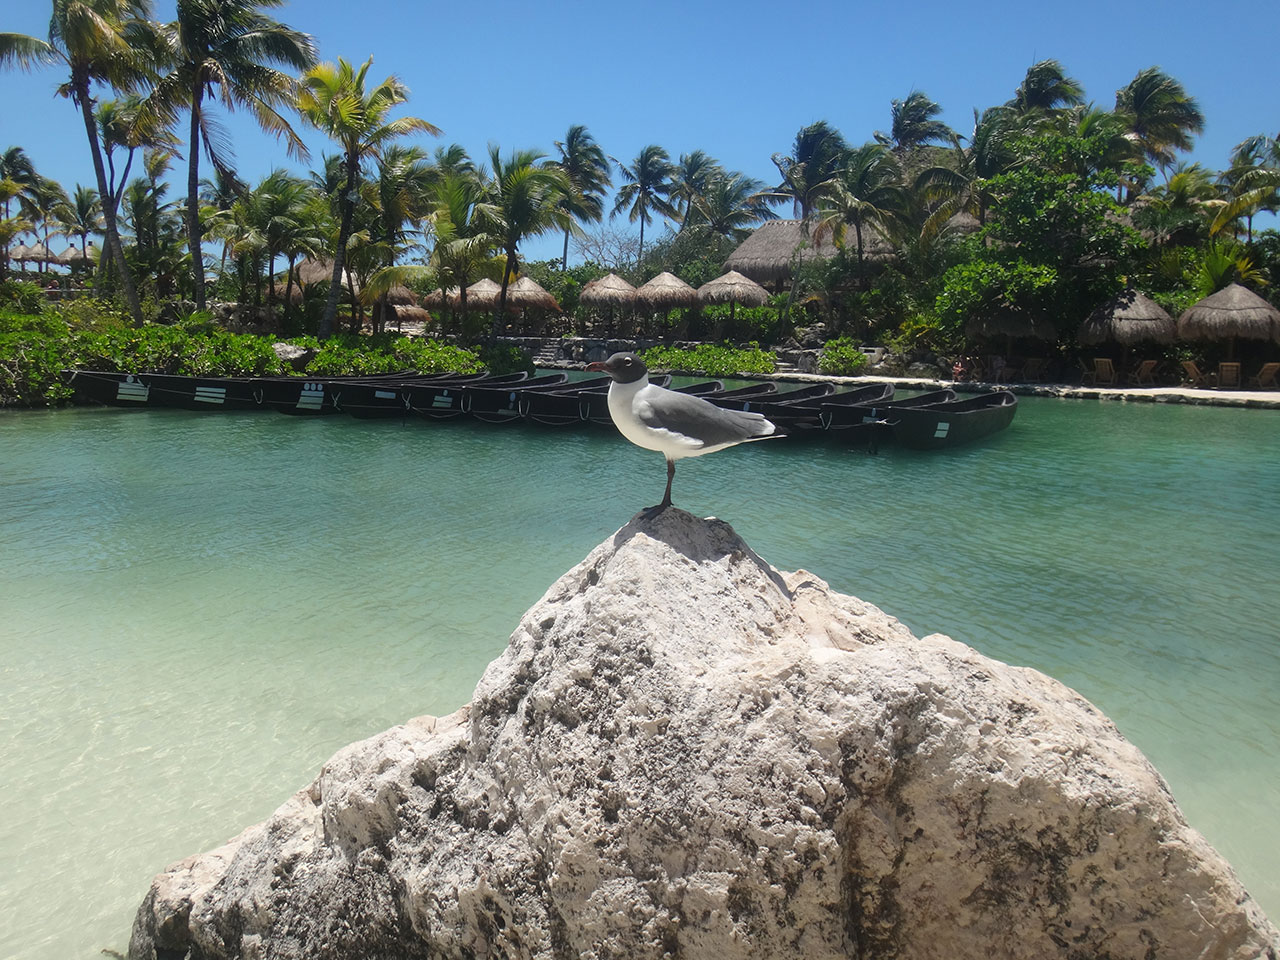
x=1047 y=206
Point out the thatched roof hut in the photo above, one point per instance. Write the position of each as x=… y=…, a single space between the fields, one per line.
x=401 y=296
x=527 y=293
x=1233 y=311
x=481 y=295
x=1010 y=323
x=777 y=246
x=609 y=291
x=666 y=291
x=319 y=271
x=73 y=256
x=20 y=252
x=1128 y=318
x=407 y=313
x=38 y=251
x=733 y=287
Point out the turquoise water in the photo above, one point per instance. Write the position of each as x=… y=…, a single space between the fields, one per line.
x=197 y=610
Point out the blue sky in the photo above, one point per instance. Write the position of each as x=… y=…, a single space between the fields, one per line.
x=736 y=80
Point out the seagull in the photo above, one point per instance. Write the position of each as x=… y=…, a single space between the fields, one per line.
x=677 y=425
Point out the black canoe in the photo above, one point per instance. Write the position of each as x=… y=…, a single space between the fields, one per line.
x=380 y=401
x=574 y=403
x=842 y=416
x=165 y=390
x=789 y=409
x=499 y=405
x=931 y=426
x=745 y=400
x=316 y=396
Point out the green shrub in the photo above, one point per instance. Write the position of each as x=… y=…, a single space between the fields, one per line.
x=711 y=360
x=842 y=358
x=21 y=296
x=501 y=358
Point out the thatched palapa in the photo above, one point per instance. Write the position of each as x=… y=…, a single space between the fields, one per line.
x=406 y=313
x=666 y=291
x=1129 y=318
x=1233 y=311
x=481 y=295
x=733 y=287
x=320 y=271
x=528 y=294
x=777 y=247
x=401 y=296
x=608 y=291
x=20 y=253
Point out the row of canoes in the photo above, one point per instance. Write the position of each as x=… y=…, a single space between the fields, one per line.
x=868 y=413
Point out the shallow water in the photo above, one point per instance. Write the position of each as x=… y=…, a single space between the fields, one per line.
x=197 y=610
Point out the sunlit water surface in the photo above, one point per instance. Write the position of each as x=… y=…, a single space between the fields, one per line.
x=197 y=610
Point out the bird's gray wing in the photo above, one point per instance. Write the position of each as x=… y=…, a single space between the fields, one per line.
x=703 y=423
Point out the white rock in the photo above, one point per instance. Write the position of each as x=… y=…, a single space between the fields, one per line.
x=684 y=752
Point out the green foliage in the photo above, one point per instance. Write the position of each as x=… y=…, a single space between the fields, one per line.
x=711 y=360
x=500 y=358
x=351 y=355
x=34 y=349
x=842 y=358
x=696 y=255
x=984 y=285
x=20 y=296
x=1223 y=264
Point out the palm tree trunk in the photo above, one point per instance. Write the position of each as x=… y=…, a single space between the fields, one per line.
x=80 y=92
x=564 y=261
x=857 y=229
x=640 y=255
x=288 y=291
x=339 y=255
x=357 y=314
x=193 y=197
x=502 y=297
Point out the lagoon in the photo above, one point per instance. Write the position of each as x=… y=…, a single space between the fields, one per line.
x=196 y=610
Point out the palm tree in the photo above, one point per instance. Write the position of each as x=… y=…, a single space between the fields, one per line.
x=16 y=167
x=333 y=99
x=587 y=168
x=402 y=197
x=647 y=187
x=1252 y=182
x=690 y=179
x=913 y=124
x=1045 y=88
x=1160 y=115
x=524 y=201
x=125 y=125
x=99 y=41
x=814 y=160
x=83 y=216
x=464 y=245
x=733 y=204
x=228 y=49
x=49 y=203
x=867 y=193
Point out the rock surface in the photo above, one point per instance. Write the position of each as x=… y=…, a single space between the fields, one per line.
x=684 y=752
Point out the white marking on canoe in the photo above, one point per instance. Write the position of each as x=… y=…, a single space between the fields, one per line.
x=941 y=431
x=311 y=397
x=211 y=394
x=383 y=394
x=131 y=389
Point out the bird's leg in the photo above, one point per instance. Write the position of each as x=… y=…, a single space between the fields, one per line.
x=671 y=475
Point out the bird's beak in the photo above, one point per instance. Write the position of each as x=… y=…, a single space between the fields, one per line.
x=597 y=366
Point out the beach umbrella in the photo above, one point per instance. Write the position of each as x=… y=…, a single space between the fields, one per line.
x=407 y=313
x=527 y=293
x=79 y=258
x=733 y=288
x=20 y=254
x=320 y=271
x=481 y=295
x=401 y=296
x=666 y=291
x=609 y=292
x=1234 y=311
x=1128 y=318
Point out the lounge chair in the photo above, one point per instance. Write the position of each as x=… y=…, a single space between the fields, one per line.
x=1104 y=372
x=1192 y=377
x=1266 y=378
x=1228 y=376
x=1144 y=372
x=1086 y=371
x=1032 y=370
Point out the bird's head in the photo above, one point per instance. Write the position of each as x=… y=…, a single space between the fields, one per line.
x=623 y=367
